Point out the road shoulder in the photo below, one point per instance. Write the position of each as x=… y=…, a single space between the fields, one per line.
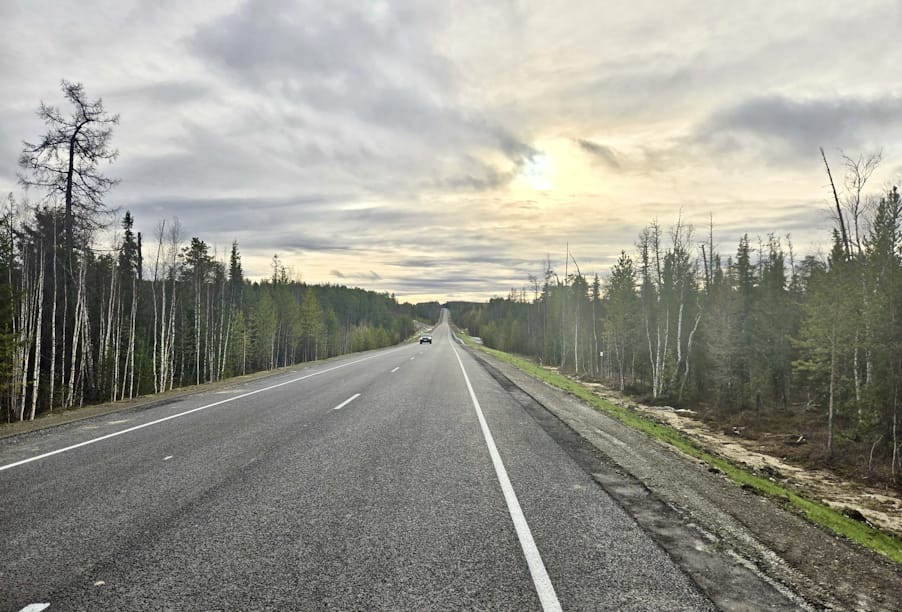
x=776 y=544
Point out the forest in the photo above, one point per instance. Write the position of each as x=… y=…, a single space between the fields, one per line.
x=85 y=321
x=811 y=345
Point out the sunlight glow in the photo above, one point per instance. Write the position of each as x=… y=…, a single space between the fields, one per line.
x=538 y=171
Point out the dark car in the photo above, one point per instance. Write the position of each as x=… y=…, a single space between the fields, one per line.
x=425 y=339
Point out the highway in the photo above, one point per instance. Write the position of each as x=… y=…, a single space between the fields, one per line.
x=400 y=479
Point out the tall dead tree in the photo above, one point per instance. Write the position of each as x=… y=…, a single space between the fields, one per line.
x=66 y=161
x=839 y=215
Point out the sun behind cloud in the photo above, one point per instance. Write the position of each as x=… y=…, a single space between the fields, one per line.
x=538 y=172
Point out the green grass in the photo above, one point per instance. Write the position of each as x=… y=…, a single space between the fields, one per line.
x=815 y=511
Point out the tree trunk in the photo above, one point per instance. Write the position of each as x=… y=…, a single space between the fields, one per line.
x=117 y=344
x=689 y=353
x=76 y=366
x=832 y=386
x=39 y=329
x=53 y=322
x=129 y=372
x=25 y=335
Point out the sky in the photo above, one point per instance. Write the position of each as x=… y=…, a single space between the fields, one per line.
x=444 y=150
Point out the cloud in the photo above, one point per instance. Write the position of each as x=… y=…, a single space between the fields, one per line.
x=363 y=276
x=796 y=127
x=604 y=153
x=371 y=81
x=163 y=92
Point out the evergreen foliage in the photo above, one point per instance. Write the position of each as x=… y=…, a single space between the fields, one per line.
x=757 y=334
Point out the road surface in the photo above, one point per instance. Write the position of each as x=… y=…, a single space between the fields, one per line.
x=401 y=479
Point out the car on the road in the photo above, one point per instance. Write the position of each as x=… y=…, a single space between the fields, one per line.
x=424 y=339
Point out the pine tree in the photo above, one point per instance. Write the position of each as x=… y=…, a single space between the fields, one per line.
x=827 y=332
x=621 y=307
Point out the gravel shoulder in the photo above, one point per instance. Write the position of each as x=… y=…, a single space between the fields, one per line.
x=802 y=560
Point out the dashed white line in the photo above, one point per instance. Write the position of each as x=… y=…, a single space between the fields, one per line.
x=167 y=457
x=347 y=401
x=544 y=588
x=412 y=358
x=187 y=412
x=396 y=369
x=35 y=607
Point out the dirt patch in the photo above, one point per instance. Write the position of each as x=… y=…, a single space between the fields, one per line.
x=781 y=457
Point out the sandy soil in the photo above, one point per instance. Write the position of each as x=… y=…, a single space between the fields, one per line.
x=881 y=508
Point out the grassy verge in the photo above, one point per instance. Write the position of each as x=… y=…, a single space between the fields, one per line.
x=815 y=511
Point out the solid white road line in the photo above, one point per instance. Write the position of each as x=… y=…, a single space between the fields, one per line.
x=544 y=588
x=181 y=414
x=347 y=401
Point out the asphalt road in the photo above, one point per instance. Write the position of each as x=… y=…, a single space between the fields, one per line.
x=400 y=479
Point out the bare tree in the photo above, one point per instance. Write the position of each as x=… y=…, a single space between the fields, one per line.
x=38 y=329
x=65 y=162
x=839 y=215
x=858 y=172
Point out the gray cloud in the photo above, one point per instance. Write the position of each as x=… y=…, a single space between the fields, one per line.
x=166 y=92
x=372 y=68
x=798 y=126
x=602 y=152
x=365 y=276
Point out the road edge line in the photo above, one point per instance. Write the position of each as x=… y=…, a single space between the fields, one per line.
x=541 y=580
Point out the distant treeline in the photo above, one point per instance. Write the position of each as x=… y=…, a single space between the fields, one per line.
x=84 y=325
x=759 y=331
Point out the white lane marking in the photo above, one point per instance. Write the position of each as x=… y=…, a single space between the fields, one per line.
x=35 y=607
x=167 y=457
x=396 y=369
x=544 y=588
x=347 y=401
x=414 y=357
x=181 y=414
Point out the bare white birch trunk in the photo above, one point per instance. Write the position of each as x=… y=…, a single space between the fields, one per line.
x=698 y=318
x=116 y=322
x=38 y=334
x=25 y=335
x=76 y=337
x=131 y=340
x=171 y=340
x=53 y=323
